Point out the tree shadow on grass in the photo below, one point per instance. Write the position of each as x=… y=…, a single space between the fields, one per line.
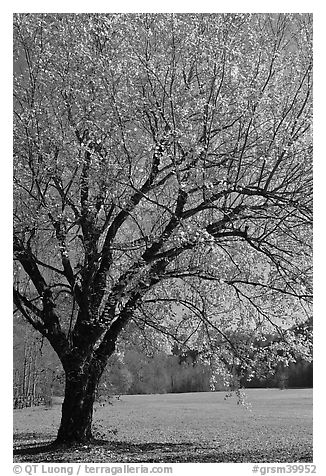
x=106 y=451
x=119 y=447
x=34 y=444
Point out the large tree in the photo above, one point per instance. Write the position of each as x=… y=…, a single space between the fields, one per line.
x=162 y=175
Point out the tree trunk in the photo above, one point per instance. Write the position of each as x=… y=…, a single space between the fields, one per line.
x=77 y=407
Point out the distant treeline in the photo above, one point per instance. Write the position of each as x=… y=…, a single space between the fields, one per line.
x=38 y=375
x=296 y=375
x=184 y=372
x=137 y=373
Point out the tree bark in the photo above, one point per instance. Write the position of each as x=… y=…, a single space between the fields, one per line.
x=77 y=407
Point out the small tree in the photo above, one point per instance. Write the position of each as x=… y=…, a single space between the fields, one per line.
x=37 y=370
x=162 y=174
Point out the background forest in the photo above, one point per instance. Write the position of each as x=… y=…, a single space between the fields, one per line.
x=140 y=367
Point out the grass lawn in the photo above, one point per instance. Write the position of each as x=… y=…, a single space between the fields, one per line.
x=191 y=427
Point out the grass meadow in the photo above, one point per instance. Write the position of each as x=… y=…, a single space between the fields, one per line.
x=275 y=426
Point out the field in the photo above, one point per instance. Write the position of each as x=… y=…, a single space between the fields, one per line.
x=276 y=426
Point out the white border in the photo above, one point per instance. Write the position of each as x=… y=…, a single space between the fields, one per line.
x=319 y=193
